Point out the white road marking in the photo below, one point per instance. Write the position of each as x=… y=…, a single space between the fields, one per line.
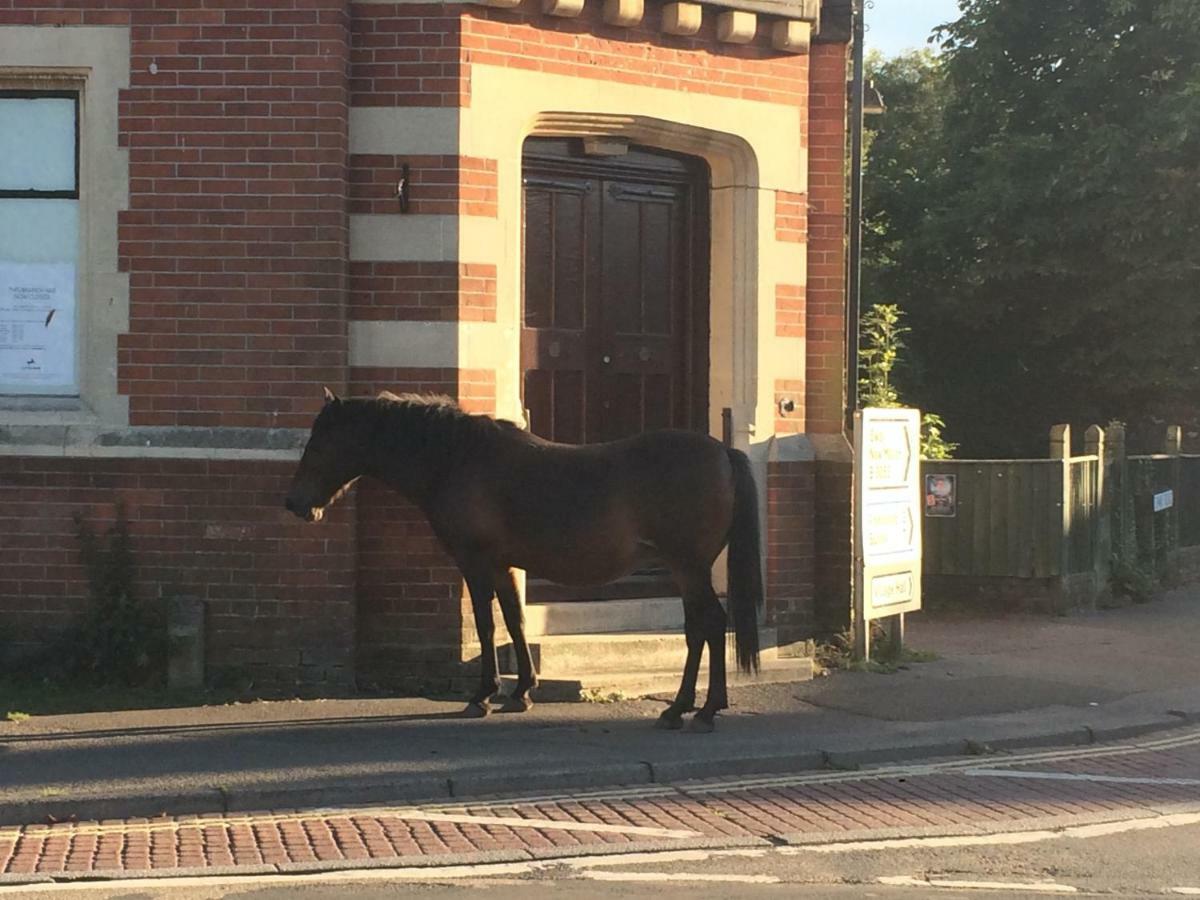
x=1013 y=837
x=1049 y=887
x=680 y=876
x=403 y=873
x=408 y=813
x=1191 y=738
x=1185 y=891
x=655 y=857
x=1077 y=776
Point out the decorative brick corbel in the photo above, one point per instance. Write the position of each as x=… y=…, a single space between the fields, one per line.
x=567 y=9
x=791 y=35
x=682 y=18
x=736 y=26
x=624 y=13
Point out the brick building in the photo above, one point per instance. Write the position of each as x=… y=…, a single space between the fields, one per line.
x=617 y=214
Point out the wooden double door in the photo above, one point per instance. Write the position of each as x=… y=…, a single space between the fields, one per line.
x=614 y=337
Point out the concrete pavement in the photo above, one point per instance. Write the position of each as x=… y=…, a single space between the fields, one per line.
x=999 y=683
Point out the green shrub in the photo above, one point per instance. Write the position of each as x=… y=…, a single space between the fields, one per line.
x=120 y=639
x=882 y=337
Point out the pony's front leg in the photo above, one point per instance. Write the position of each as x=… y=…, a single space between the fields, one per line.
x=482 y=590
x=514 y=621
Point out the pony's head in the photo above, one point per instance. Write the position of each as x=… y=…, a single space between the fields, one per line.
x=334 y=458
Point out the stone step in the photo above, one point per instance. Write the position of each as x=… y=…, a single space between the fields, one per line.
x=608 y=616
x=565 y=655
x=603 y=687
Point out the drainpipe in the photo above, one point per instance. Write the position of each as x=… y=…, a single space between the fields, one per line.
x=854 y=262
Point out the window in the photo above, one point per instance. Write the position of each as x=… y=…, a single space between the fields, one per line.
x=39 y=242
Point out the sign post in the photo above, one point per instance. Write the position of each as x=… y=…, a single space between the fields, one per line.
x=887 y=521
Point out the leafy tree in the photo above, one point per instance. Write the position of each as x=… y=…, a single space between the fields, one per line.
x=1036 y=212
x=904 y=166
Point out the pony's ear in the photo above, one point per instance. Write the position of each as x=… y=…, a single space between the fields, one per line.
x=330 y=397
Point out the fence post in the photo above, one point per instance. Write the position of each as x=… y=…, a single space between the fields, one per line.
x=1093 y=445
x=1060 y=449
x=1120 y=505
x=1173 y=447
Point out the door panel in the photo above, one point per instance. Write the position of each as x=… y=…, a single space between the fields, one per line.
x=614 y=336
x=554 y=334
x=643 y=311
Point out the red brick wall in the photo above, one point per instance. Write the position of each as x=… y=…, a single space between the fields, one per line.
x=789 y=422
x=789 y=546
x=438 y=185
x=790 y=318
x=279 y=592
x=406 y=54
x=832 y=544
x=586 y=47
x=420 y=55
x=791 y=217
x=827 y=239
x=423 y=291
x=235 y=238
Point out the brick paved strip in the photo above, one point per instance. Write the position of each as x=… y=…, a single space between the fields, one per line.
x=1025 y=774
x=958 y=797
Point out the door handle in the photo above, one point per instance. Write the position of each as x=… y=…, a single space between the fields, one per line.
x=607 y=359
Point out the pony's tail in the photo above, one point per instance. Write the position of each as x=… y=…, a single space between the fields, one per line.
x=745 y=567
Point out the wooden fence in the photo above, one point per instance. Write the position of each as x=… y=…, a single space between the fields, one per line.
x=1060 y=522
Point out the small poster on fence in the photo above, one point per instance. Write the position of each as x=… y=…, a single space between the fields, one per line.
x=941 y=495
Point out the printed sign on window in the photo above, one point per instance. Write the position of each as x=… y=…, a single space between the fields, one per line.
x=37 y=327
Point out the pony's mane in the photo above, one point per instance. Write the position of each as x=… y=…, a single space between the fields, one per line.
x=433 y=402
x=443 y=414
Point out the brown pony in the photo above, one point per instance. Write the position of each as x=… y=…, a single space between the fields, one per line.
x=498 y=497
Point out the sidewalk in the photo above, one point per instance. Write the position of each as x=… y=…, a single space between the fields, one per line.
x=999 y=683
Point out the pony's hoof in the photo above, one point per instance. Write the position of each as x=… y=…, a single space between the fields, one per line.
x=516 y=705
x=669 y=721
x=701 y=726
x=476 y=710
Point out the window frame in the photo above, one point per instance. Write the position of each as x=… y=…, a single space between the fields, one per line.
x=33 y=94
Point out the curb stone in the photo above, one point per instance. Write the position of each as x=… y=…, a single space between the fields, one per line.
x=16 y=880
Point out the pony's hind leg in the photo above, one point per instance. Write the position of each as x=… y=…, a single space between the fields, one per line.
x=514 y=621
x=482 y=589
x=685 y=700
x=714 y=623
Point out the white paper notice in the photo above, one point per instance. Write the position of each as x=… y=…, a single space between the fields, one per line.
x=37 y=328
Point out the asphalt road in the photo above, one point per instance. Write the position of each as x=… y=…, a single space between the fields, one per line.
x=1157 y=863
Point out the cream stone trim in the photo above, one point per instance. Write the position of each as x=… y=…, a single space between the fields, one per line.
x=401 y=130
x=75 y=448
x=752 y=148
x=96 y=60
x=566 y=8
x=624 y=13
x=736 y=27
x=429 y=345
x=682 y=18
x=791 y=36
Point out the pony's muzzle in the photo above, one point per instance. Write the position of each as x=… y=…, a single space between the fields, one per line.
x=305 y=512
